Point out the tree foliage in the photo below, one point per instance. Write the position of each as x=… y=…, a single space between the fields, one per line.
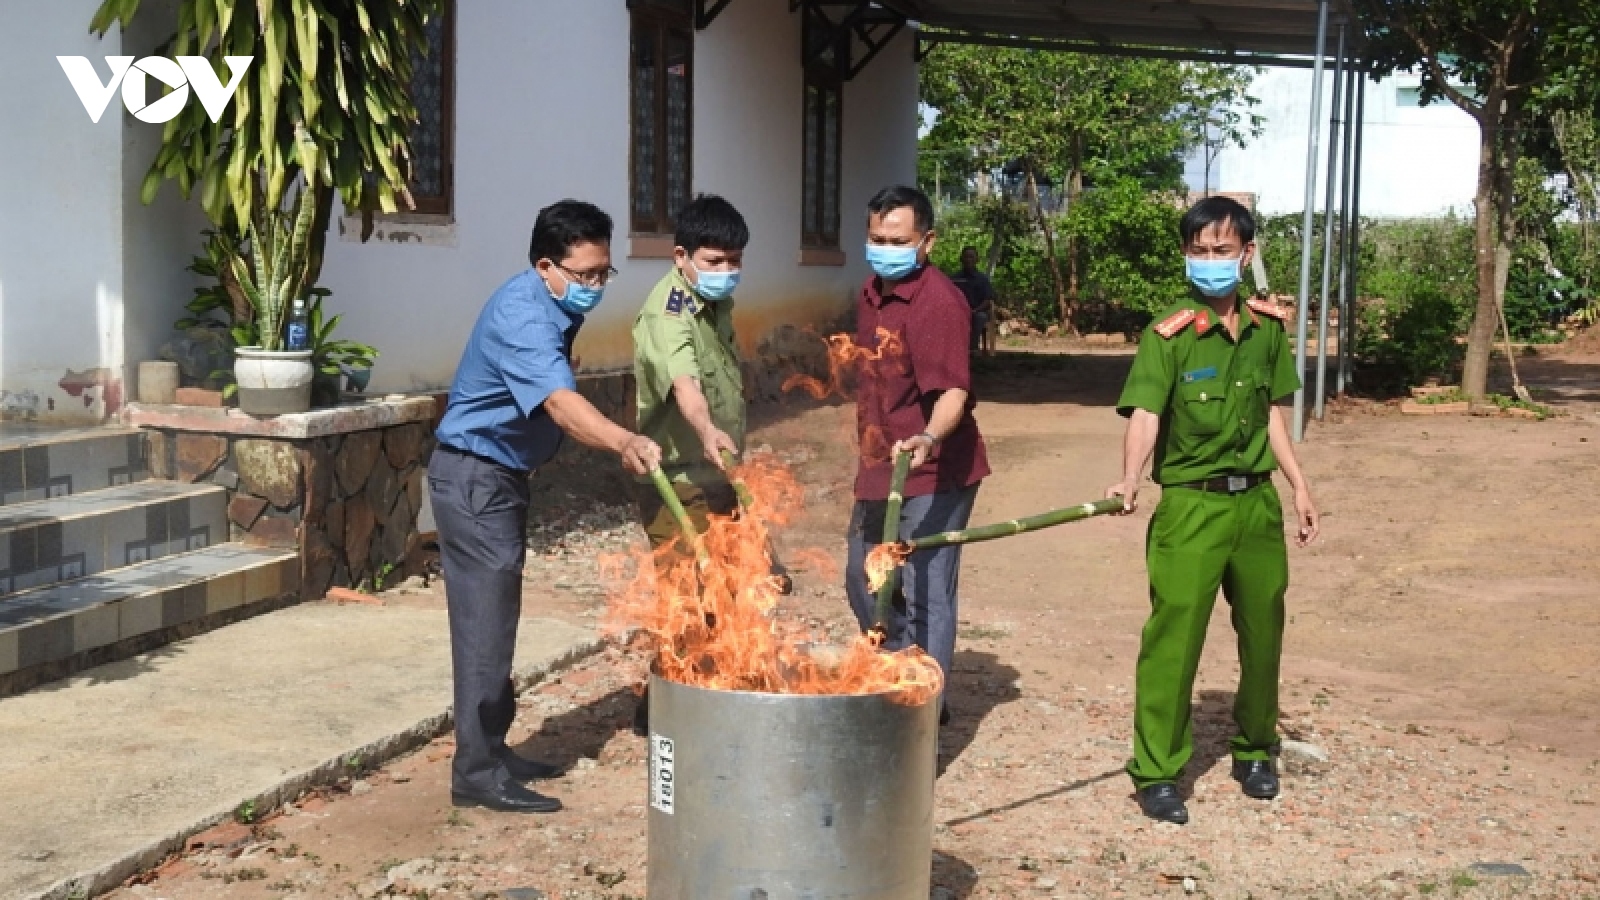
x=1509 y=64
x=324 y=108
x=1072 y=114
x=327 y=95
x=1078 y=122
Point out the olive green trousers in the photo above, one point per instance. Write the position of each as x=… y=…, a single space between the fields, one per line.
x=1198 y=542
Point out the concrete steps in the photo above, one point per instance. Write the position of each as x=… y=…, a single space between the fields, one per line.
x=38 y=464
x=56 y=624
x=48 y=541
x=98 y=562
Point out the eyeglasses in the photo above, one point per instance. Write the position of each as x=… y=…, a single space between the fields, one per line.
x=588 y=279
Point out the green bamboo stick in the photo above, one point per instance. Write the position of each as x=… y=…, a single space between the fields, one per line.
x=891 y=535
x=680 y=515
x=1015 y=526
x=746 y=499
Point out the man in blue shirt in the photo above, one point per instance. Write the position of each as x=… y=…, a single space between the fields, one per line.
x=513 y=399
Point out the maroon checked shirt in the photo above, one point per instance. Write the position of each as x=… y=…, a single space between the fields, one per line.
x=925 y=326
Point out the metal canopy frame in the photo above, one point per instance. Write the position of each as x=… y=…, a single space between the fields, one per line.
x=844 y=35
x=1228 y=27
x=1279 y=33
x=706 y=12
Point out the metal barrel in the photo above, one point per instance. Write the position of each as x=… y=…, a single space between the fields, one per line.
x=789 y=797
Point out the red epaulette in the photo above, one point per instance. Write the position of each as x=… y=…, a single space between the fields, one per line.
x=1268 y=308
x=1174 y=323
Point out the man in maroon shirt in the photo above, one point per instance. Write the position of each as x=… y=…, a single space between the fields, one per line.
x=914 y=393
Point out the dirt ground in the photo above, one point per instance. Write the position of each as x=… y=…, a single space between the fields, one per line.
x=1440 y=655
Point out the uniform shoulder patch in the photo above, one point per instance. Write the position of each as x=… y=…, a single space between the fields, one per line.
x=676 y=300
x=1268 y=308
x=1174 y=323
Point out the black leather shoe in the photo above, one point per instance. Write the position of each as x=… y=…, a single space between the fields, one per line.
x=1256 y=777
x=1163 y=803
x=641 y=716
x=523 y=769
x=506 y=798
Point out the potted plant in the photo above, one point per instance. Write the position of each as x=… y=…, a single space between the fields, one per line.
x=221 y=314
x=271 y=378
x=335 y=359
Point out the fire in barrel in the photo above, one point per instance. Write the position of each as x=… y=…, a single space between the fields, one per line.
x=780 y=766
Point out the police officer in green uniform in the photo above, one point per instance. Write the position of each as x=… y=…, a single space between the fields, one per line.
x=1202 y=397
x=686 y=368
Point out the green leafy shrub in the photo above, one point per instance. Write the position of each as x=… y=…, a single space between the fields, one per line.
x=1127 y=242
x=1406 y=340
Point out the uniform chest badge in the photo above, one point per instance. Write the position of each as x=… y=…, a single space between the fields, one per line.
x=675 y=301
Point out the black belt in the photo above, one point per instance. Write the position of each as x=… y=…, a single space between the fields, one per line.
x=457 y=451
x=1227 y=484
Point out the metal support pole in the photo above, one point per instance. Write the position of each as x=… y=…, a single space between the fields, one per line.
x=1342 y=257
x=1309 y=221
x=1335 y=132
x=1347 y=172
x=1348 y=311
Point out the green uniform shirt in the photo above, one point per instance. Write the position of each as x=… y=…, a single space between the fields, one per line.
x=1212 y=393
x=679 y=333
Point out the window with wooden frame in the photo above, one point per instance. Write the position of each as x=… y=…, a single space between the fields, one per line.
x=819 y=220
x=433 y=89
x=661 y=73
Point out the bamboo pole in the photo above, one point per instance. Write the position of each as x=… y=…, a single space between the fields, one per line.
x=746 y=499
x=1015 y=526
x=891 y=535
x=680 y=515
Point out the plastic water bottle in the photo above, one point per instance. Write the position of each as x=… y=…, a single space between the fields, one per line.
x=299 y=337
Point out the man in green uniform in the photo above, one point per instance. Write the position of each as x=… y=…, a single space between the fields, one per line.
x=1201 y=396
x=686 y=368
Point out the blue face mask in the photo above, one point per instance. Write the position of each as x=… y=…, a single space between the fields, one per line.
x=579 y=299
x=1213 y=277
x=714 y=285
x=892 y=263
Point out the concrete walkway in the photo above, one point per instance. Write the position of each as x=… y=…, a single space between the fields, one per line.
x=105 y=773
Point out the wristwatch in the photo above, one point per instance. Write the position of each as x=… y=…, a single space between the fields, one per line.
x=931 y=439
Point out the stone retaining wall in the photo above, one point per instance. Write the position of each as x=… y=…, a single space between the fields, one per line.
x=347 y=500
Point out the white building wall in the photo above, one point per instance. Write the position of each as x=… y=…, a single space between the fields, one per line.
x=161 y=239
x=60 y=213
x=542 y=114
x=90 y=280
x=1416 y=161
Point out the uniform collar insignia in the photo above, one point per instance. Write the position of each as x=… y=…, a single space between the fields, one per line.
x=1171 y=325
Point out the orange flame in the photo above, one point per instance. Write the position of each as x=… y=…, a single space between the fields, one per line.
x=716 y=624
x=881 y=562
x=844 y=356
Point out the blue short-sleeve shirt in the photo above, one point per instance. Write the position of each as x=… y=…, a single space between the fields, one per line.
x=518 y=355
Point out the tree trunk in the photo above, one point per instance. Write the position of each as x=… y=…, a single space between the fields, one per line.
x=323 y=197
x=1063 y=307
x=1074 y=191
x=997 y=238
x=1485 y=317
